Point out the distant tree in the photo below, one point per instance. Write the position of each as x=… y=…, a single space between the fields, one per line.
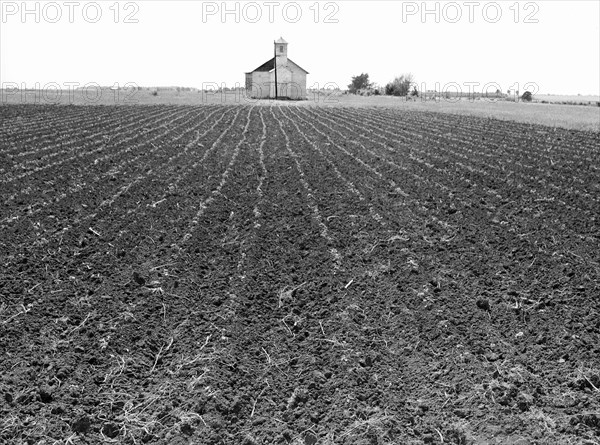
x=527 y=96
x=360 y=82
x=400 y=86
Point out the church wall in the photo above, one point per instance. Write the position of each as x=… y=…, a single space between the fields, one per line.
x=298 y=91
x=261 y=85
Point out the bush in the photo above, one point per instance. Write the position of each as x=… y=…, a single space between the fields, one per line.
x=400 y=86
x=527 y=96
x=154 y=93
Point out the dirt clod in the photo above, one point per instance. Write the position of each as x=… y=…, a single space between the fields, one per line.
x=110 y=430
x=138 y=278
x=81 y=425
x=45 y=395
x=310 y=439
x=187 y=429
x=483 y=304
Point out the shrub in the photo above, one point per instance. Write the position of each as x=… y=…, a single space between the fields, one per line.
x=400 y=86
x=527 y=96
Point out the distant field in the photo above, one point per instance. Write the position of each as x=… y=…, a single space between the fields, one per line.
x=576 y=99
x=553 y=115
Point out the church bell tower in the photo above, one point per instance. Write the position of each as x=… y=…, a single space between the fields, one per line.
x=281 y=58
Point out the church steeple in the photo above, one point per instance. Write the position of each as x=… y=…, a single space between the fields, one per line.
x=281 y=52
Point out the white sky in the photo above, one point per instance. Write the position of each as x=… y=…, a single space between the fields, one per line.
x=174 y=44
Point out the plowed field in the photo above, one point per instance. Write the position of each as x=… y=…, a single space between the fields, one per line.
x=292 y=275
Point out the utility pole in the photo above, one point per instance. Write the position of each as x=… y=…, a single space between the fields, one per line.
x=275 y=62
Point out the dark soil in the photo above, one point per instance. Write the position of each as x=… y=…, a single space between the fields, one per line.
x=288 y=275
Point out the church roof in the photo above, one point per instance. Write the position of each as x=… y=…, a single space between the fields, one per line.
x=267 y=66
x=270 y=65
x=280 y=40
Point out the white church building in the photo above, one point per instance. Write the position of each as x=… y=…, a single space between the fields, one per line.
x=291 y=78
